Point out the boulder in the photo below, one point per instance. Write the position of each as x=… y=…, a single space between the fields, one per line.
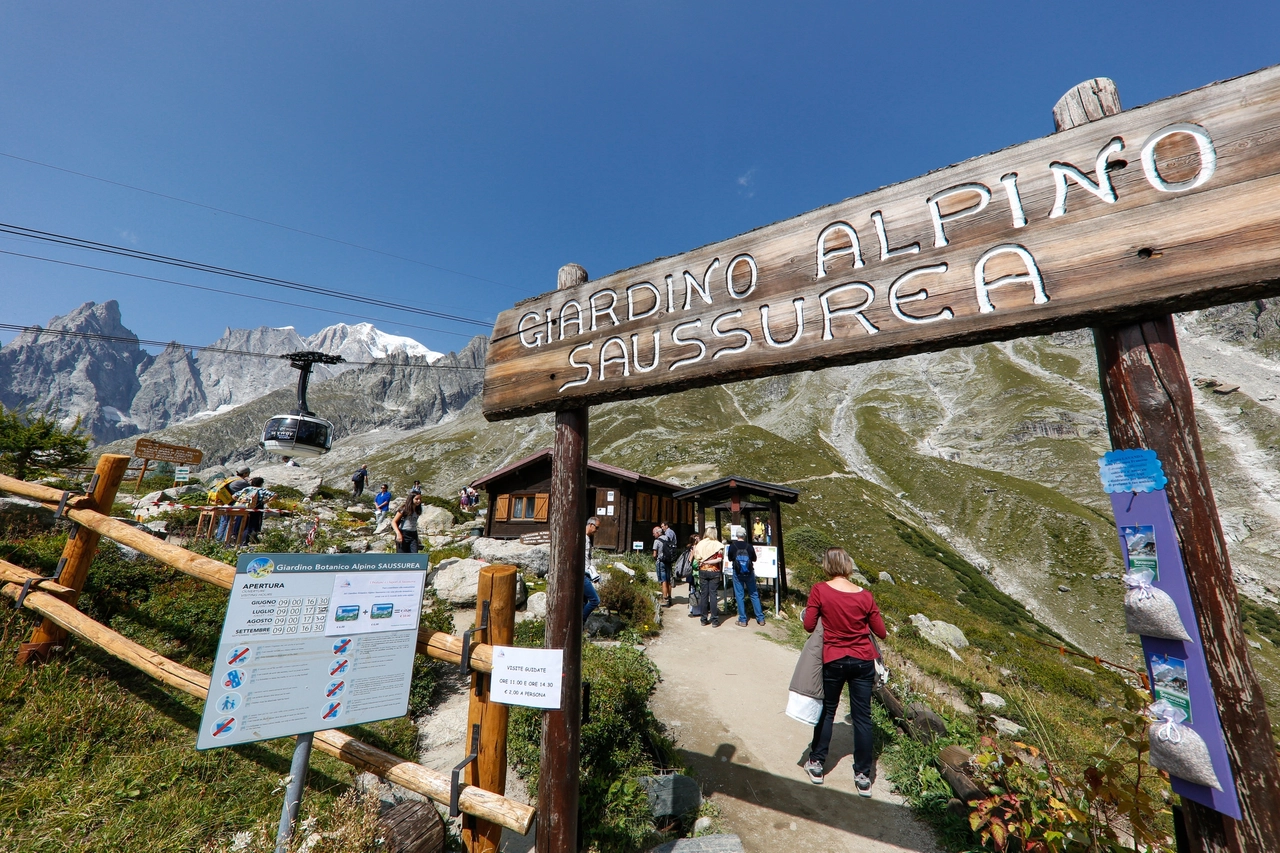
x=993 y=701
x=1008 y=728
x=860 y=579
x=702 y=825
x=447 y=562
x=457 y=582
x=671 y=795
x=532 y=558
x=944 y=635
x=294 y=476
x=435 y=519
x=359 y=546
x=601 y=624
x=886 y=577
x=702 y=844
x=536 y=606
x=364 y=513
x=13 y=509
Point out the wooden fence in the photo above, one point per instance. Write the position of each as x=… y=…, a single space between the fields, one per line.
x=478 y=796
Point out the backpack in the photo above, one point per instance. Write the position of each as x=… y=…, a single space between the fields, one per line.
x=742 y=561
x=667 y=549
x=683 y=569
x=220 y=495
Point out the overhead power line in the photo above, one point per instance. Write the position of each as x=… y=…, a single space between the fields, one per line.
x=233 y=293
x=256 y=219
x=137 y=254
x=67 y=333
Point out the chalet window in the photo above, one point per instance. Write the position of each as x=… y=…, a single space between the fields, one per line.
x=525 y=507
x=642 y=506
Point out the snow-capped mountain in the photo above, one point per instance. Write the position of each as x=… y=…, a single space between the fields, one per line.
x=364 y=342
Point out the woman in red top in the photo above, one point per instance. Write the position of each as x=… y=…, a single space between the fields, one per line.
x=849 y=617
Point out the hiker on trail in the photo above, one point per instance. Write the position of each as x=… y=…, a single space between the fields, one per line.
x=357 y=481
x=253 y=498
x=849 y=616
x=682 y=571
x=417 y=487
x=234 y=487
x=405 y=525
x=590 y=599
x=742 y=562
x=664 y=555
x=381 y=504
x=710 y=575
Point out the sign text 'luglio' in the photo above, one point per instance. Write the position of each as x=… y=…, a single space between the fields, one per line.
x=1167 y=207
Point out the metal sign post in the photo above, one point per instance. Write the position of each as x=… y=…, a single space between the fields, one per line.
x=293 y=791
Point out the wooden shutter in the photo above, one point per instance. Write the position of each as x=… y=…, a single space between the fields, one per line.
x=642 y=506
x=503 y=509
x=540 y=507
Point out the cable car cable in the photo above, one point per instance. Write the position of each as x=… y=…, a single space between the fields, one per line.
x=234 y=293
x=138 y=254
x=256 y=219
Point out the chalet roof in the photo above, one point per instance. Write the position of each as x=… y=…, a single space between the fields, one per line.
x=544 y=455
x=722 y=489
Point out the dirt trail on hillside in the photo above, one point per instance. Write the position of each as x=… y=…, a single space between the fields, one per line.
x=723 y=693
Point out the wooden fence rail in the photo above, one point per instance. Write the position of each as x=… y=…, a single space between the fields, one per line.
x=56 y=603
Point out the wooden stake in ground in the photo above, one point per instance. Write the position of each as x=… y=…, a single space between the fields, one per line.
x=1149 y=405
x=497 y=589
x=77 y=556
x=562 y=729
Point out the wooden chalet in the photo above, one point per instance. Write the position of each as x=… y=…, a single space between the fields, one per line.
x=629 y=505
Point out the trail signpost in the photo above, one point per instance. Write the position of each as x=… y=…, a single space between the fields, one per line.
x=149 y=450
x=1113 y=222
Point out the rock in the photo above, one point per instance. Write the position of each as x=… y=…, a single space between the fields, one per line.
x=702 y=844
x=1008 y=728
x=359 y=546
x=702 y=825
x=1254 y=644
x=886 y=577
x=1063 y=588
x=364 y=513
x=993 y=701
x=12 y=509
x=600 y=624
x=457 y=582
x=671 y=795
x=860 y=579
x=941 y=634
x=536 y=606
x=294 y=476
x=531 y=558
x=435 y=519
x=522 y=591
x=447 y=562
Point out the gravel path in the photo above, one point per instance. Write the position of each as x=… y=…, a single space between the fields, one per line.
x=723 y=693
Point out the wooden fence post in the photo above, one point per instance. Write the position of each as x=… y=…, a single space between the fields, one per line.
x=1149 y=405
x=77 y=555
x=562 y=729
x=497 y=589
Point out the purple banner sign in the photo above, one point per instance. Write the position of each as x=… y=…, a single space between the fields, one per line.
x=1177 y=669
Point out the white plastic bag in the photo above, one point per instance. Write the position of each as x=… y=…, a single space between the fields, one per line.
x=1177 y=749
x=803 y=709
x=1150 y=611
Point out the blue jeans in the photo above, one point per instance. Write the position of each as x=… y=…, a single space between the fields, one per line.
x=747 y=582
x=590 y=599
x=860 y=675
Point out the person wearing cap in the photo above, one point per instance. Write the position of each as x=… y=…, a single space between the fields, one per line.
x=709 y=555
x=742 y=562
x=239 y=484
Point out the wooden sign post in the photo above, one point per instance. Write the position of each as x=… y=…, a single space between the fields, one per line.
x=1114 y=222
x=154 y=451
x=1149 y=405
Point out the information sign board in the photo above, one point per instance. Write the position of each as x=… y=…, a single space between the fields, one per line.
x=766 y=561
x=1162 y=208
x=156 y=451
x=528 y=677
x=181 y=475
x=311 y=642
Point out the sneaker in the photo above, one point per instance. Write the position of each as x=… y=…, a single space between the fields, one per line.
x=705 y=622
x=759 y=621
x=715 y=623
x=670 y=603
x=814 y=769
x=863 y=784
x=742 y=623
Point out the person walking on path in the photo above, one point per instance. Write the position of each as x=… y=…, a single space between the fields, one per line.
x=590 y=599
x=405 y=525
x=742 y=561
x=239 y=484
x=254 y=498
x=357 y=481
x=708 y=554
x=381 y=504
x=849 y=617
x=683 y=570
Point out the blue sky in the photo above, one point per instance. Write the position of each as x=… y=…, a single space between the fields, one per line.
x=491 y=143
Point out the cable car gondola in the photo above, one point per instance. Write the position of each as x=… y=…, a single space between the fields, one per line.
x=300 y=433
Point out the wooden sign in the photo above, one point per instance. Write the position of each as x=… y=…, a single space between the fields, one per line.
x=1168 y=207
x=156 y=451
